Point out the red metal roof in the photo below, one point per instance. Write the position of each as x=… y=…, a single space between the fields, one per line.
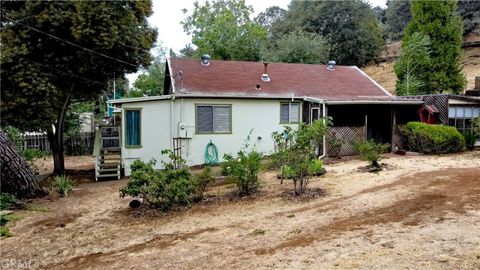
x=240 y=77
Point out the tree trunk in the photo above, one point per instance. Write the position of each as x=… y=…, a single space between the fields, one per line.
x=56 y=136
x=17 y=177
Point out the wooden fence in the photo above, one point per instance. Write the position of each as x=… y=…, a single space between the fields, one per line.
x=78 y=144
x=341 y=140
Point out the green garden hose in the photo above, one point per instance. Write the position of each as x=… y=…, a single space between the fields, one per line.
x=211 y=154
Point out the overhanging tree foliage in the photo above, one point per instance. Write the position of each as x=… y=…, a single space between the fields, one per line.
x=150 y=82
x=440 y=21
x=298 y=47
x=57 y=52
x=223 y=29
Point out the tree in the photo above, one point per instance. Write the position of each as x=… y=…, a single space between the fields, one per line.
x=223 y=29
x=470 y=12
x=269 y=17
x=397 y=16
x=17 y=176
x=350 y=28
x=415 y=55
x=440 y=21
x=299 y=47
x=57 y=52
x=150 y=83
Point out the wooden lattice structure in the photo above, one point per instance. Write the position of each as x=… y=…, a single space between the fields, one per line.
x=398 y=138
x=345 y=138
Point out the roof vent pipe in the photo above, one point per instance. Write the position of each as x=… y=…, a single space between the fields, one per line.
x=265 y=76
x=331 y=65
x=205 y=60
x=258 y=87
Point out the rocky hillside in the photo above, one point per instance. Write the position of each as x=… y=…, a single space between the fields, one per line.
x=383 y=73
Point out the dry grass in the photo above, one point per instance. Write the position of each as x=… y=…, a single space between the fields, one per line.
x=424 y=212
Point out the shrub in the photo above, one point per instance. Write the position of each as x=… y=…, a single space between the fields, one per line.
x=63 y=184
x=226 y=165
x=7 y=201
x=433 y=139
x=370 y=151
x=335 y=144
x=470 y=139
x=5 y=232
x=299 y=154
x=201 y=181
x=244 y=171
x=165 y=188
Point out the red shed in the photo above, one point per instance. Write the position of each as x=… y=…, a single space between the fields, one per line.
x=428 y=114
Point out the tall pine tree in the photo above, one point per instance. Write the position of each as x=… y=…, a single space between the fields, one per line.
x=441 y=23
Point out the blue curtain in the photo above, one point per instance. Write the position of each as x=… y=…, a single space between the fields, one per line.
x=133 y=128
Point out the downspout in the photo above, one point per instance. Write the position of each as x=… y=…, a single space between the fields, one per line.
x=171 y=121
x=324 y=123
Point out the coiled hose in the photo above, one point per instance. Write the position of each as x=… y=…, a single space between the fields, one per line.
x=211 y=154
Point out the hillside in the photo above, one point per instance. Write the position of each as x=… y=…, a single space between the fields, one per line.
x=383 y=73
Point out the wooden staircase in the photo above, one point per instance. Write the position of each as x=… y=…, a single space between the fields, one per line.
x=108 y=161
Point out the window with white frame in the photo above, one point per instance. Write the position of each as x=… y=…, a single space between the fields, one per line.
x=213 y=119
x=289 y=112
x=461 y=117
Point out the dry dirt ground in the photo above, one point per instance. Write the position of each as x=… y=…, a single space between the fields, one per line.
x=421 y=213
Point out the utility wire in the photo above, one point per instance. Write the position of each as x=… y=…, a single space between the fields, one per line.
x=58 y=70
x=71 y=43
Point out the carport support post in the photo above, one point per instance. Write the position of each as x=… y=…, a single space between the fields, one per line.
x=394 y=126
x=366 y=128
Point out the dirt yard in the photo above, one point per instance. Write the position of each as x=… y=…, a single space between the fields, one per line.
x=422 y=213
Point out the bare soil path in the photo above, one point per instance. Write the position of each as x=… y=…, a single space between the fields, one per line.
x=424 y=213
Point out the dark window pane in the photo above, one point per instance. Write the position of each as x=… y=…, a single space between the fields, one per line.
x=204 y=119
x=284 y=113
x=133 y=127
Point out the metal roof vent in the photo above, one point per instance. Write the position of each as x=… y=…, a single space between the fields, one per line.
x=331 y=65
x=265 y=76
x=258 y=87
x=205 y=60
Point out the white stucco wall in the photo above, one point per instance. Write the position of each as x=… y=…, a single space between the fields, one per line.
x=261 y=115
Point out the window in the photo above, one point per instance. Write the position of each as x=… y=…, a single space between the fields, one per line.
x=214 y=118
x=132 y=128
x=461 y=117
x=289 y=112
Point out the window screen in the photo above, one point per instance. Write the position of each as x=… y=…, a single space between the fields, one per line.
x=290 y=112
x=214 y=118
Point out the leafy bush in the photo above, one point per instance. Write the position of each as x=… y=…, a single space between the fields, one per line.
x=7 y=201
x=5 y=232
x=165 y=188
x=226 y=165
x=244 y=168
x=470 y=139
x=433 y=139
x=63 y=184
x=299 y=153
x=244 y=171
x=370 y=151
x=335 y=144
x=201 y=181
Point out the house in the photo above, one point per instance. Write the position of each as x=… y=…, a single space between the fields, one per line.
x=223 y=101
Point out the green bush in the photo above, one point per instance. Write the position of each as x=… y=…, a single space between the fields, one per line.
x=165 y=188
x=63 y=184
x=244 y=171
x=470 y=139
x=201 y=181
x=433 y=139
x=5 y=232
x=299 y=153
x=7 y=201
x=370 y=151
x=226 y=165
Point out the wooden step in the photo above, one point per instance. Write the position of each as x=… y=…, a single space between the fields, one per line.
x=107 y=175
x=108 y=170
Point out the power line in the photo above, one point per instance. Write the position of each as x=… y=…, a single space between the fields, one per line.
x=58 y=70
x=71 y=43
